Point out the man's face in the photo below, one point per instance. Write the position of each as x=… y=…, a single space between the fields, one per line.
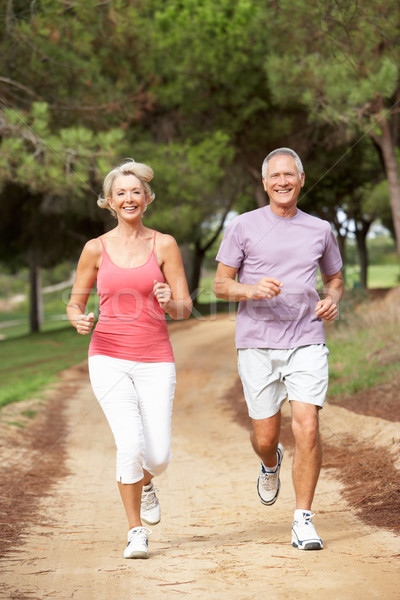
x=283 y=184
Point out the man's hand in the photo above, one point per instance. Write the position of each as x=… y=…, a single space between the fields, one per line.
x=267 y=287
x=326 y=309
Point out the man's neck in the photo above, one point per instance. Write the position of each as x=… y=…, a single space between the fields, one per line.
x=282 y=211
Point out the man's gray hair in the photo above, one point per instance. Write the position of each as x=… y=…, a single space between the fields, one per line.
x=278 y=152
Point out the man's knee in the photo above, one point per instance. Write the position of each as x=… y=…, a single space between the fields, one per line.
x=305 y=426
x=264 y=440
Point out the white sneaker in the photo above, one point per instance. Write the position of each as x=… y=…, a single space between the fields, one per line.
x=137 y=543
x=304 y=536
x=150 y=511
x=268 y=482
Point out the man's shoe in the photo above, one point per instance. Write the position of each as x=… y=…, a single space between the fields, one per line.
x=150 y=511
x=137 y=543
x=268 y=482
x=304 y=536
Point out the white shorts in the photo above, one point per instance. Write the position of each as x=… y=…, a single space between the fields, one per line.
x=136 y=398
x=270 y=376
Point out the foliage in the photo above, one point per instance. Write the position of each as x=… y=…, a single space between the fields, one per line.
x=187 y=197
x=84 y=62
x=346 y=53
x=342 y=65
x=205 y=57
x=50 y=177
x=199 y=90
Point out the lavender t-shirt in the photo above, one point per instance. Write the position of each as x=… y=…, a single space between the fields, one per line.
x=262 y=244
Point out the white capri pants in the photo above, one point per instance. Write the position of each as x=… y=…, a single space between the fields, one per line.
x=137 y=399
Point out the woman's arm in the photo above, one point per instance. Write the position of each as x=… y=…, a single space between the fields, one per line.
x=86 y=275
x=173 y=296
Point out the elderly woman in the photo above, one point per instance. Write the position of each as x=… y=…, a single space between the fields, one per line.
x=140 y=276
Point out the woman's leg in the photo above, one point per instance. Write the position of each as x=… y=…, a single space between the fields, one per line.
x=112 y=384
x=131 y=494
x=155 y=385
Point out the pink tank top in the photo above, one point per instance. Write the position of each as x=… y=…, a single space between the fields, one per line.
x=131 y=323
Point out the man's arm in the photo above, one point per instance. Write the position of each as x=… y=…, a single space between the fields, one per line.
x=226 y=287
x=327 y=309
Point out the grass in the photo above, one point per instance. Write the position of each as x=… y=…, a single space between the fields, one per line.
x=54 y=307
x=30 y=363
x=379 y=276
x=364 y=350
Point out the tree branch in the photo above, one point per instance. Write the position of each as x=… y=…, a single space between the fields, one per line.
x=20 y=86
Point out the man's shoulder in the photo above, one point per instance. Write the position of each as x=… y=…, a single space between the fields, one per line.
x=249 y=216
x=312 y=220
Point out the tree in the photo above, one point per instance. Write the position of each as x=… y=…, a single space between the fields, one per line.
x=48 y=49
x=341 y=62
x=83 y=61
x=206 y=59
x=194 y=197
x=349 y=193
x=47 y=191
x=69 y=74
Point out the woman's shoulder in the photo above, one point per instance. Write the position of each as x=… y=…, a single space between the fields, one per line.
x=93 y=248
x=164 y=240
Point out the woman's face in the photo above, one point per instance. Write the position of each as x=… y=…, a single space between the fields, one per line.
x=128 y=198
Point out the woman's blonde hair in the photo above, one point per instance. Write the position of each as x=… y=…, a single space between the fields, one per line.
x=140 y=170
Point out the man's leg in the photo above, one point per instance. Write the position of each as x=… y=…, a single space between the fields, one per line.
x=265 y=437
x=305 y=471
x=307 y=452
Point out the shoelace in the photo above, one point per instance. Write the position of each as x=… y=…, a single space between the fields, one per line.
x=139 y=533
x=268 y=480
x=306 y=520
x=149 y=498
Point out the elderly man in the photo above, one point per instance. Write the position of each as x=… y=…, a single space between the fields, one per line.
x=268 y=262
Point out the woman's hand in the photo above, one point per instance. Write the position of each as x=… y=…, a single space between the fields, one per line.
x=163 y=294
x=84 y=323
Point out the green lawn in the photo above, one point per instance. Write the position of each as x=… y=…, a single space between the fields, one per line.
x=29 y=363
x=379 y=276
x=54 y=309
x=356 y=360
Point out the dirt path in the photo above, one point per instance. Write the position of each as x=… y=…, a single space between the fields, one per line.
x=215 y=539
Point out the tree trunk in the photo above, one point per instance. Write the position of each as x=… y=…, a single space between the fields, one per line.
x=261 y=196
x=341 y=240
x=362 y=228
x=35 y=295
x=259 y=192
x=197 y=261
x=186 y=254
x=199 y=254
x=385 y=143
